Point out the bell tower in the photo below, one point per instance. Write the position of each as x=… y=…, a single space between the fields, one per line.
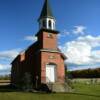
x=47 y=35
x=46 y=19
x=51 y=58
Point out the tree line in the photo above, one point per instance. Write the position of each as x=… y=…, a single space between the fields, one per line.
x=5 y=77
x=86 y=73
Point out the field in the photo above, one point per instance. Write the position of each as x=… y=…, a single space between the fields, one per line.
x=81 y=92
x=84 y=80
x=4 y=82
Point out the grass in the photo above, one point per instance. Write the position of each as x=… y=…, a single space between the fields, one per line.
x=81 y=92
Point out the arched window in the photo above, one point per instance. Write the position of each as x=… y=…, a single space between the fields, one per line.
x=44 y=23
x=49 y=23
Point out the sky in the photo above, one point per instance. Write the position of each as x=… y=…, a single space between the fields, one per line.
x=77 y=20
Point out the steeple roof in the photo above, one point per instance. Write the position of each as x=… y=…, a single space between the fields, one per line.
x=46 y=10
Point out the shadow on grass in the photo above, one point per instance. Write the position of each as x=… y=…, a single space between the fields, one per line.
x=8 y=88
x=11 y=88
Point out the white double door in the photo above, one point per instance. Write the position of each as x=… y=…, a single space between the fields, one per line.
x=50 y=73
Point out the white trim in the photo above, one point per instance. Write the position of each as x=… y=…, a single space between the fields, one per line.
x=47 y=23
x=54 y=51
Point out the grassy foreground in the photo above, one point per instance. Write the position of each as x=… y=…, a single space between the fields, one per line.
x=82 y=92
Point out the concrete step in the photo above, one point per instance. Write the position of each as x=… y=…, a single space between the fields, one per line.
x=59 y=87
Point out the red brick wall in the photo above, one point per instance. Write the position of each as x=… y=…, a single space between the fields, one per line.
x=60 y=70
x=49 y=42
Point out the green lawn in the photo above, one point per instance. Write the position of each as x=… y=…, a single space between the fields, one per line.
x=81 y=92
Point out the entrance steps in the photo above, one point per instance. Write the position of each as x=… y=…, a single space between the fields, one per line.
x=59 y=87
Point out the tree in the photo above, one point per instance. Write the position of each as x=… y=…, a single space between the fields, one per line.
x=26 y=83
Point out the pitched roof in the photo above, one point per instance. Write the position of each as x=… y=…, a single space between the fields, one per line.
x=46 y=10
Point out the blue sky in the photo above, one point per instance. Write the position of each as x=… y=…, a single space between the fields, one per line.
x=77 y=20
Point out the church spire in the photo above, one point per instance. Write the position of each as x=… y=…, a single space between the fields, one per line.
x=46 y=10
x=46 y=19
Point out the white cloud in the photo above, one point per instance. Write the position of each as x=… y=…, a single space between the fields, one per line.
x=79 y=30
x=7 y=57
x=90 y=40
x=1 y=67
x=97 y=53
x=30 y=38
x=66 y=32
x=63 y=34
x=9 y=54
x=80 y=51
x=4 y=67
x=96 y=56
x=77 y=52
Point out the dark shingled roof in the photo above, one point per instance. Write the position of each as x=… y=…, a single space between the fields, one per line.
x=46 y=10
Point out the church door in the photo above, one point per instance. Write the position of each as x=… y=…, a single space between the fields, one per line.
x=50 y=73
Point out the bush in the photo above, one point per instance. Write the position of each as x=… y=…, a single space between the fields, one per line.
x=26 y=82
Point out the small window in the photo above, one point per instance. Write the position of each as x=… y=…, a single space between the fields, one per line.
x=50 y=35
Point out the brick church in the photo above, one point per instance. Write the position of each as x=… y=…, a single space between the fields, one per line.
x=43 y=59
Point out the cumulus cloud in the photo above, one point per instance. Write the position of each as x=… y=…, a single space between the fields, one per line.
x=5 y=59
x=4 y=66
x=96 y=56
x=80 y=51
x=90 y=40
x=30 y=38
x=77 y=52
x=9 y=54
x=5 y=71
x=96 y=53
x=79 y=30
x=64 y=33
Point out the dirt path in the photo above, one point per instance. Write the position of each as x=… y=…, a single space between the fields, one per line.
x=4 y=82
